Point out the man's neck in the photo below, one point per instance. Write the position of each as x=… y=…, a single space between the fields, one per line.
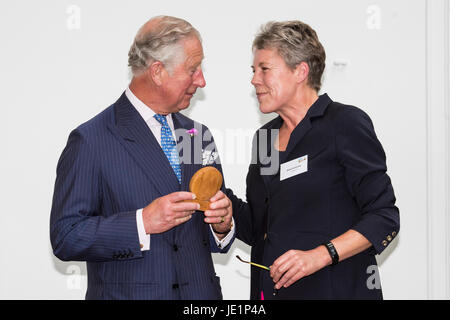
x=148 y=94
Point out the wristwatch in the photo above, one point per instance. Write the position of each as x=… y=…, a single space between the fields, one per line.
x=333 y=253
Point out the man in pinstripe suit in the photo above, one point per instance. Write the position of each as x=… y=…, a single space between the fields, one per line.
x=119 y=200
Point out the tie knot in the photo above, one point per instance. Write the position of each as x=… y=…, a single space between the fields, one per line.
x=161 y=119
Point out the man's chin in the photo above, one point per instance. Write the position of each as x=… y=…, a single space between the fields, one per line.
x=183 y=107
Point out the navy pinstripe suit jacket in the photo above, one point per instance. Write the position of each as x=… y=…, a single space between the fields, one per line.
x=112 y=166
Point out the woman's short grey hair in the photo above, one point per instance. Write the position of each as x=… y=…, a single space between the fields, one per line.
x=160 y=43
x=295 y=42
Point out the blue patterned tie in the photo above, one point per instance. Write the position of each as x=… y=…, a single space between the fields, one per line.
x=169 y=146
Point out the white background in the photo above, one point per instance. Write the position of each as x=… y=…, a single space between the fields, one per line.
x=62 y=62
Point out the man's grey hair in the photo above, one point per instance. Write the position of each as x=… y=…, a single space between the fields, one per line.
x=295 y=42
x=160 y=43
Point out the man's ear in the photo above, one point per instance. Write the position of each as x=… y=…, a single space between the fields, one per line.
x=156 y=72
x=302 y=72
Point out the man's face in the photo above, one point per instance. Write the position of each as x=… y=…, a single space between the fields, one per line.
x=185 y=78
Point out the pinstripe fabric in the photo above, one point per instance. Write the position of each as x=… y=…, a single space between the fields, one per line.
x=111 y=166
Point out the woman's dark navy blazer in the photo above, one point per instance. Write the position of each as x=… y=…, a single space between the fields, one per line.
x=345 y=187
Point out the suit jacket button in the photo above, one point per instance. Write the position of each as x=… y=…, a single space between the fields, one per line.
x=394 y=233
x=384 y=243
x=175 y=286
x=389 y=238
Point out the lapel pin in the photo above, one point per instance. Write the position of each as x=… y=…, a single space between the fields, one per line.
x=192 y=132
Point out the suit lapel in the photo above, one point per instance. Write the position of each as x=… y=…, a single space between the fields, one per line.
x=187 y=148
x=134 y=134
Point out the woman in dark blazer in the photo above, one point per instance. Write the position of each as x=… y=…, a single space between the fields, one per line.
x=322 y=215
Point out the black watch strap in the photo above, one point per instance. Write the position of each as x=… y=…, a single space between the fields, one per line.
x=333 y=253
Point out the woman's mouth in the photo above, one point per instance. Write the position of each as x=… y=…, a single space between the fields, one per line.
x=260 y=94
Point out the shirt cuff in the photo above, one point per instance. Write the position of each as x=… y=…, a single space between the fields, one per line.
x=144 y=238
x=226 y=240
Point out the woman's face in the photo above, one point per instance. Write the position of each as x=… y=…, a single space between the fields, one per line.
x=275 y=83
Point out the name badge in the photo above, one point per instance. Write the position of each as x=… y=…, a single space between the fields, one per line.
x=293 y=167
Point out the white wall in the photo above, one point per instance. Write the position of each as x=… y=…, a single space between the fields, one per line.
x=64 y=61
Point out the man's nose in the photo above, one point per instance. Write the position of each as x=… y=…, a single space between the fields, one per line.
x=200 y=79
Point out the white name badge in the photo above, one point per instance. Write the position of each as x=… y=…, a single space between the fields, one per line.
x=293 y=167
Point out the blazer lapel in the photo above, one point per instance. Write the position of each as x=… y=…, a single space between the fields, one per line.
x=187 y=144
x=316 y=110
x=265 y=158
x=138 y=140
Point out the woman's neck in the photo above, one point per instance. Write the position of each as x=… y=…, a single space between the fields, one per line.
x=295 y=111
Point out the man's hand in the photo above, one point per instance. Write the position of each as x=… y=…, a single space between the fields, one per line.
x=166 y=212
x=220 y=213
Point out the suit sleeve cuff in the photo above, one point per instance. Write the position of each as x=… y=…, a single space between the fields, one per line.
x=226 y=240
x=144 y=238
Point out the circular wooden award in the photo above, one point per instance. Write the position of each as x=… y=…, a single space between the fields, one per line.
x=204 y=184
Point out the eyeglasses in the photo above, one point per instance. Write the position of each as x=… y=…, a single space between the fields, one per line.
x=254 y=264
x=275 y=291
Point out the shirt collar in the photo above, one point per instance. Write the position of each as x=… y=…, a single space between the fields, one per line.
x=145 y=111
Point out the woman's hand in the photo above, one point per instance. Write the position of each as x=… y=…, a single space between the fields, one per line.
x=296 y=264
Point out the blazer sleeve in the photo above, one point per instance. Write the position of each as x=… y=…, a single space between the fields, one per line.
x=78 y=230
x=362 y=156
x=242 y=210
x=211 y=146
x=242 y=217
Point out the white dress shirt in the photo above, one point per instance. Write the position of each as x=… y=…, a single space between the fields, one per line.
x=154 y=125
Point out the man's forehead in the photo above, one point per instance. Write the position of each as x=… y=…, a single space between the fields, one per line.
x=194 y=50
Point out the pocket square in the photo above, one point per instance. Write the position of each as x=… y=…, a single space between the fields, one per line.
x=209 y=157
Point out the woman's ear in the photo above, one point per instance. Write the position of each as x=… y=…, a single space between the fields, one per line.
x=302 y=71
